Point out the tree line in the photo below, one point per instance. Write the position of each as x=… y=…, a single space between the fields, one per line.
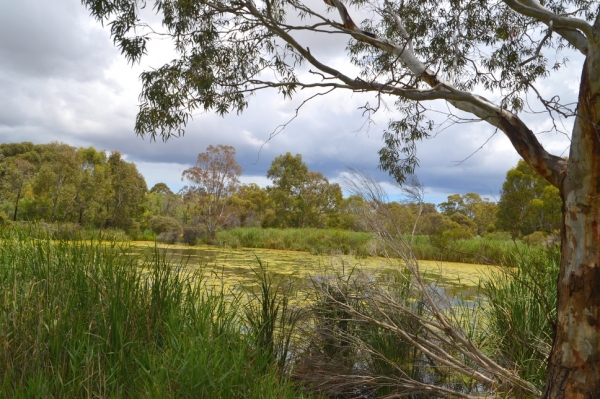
x=59 y=183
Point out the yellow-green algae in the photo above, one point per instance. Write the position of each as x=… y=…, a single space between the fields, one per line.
x=234 y=267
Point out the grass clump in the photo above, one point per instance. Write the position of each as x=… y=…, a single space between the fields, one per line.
x=86 y=319
x=522 y=312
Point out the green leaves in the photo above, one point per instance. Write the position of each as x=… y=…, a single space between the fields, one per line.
x=528 y=203
x=228 y=50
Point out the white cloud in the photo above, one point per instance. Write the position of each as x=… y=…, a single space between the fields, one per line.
x=62 y=79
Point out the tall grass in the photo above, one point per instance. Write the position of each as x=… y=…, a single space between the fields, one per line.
x=316 y=241
x=473 y=250
x=83 y=319
x=521 y=312
x=329 y=241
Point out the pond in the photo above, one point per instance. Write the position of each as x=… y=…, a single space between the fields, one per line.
x=234 y=267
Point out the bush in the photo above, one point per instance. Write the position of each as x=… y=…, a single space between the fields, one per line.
x=457 y=233
x=192 y=234
x=499 y=236
x=162 y=224
x=168 y=237
x=4 y=220
x=535 y=238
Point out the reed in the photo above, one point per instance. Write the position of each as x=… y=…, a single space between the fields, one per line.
x=316 y=241
x=521 y=312
x=86 y=319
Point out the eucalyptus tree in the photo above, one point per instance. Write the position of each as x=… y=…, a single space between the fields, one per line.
x=210 y=185
x=301 y=197
x=528 y=203
x=411 y=51
x=17 y=174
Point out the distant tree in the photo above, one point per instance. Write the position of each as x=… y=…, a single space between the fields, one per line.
x=161 y=201
x=91 y=187
x=211 y=182
x=299 y=197
x=249 y=204
x=127 y=192
x=454 y=204
x=480 y=211
x=17 y=173
x=54 y=181
x=161 y=188
x=351 y=207
x=528 y=203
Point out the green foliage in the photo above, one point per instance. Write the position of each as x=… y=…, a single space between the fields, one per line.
x=318 y=241
x=299 y=197
x=522 y=312
x=161 y=224
x=272 y=316
x=191 y=235
x=59 y=183
x=81 y=319
x=528 y=203
x=168 y=237
x=4 y=220
x=535 y=238
x=480 y=212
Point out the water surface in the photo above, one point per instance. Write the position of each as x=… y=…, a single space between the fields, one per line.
x=235 y=266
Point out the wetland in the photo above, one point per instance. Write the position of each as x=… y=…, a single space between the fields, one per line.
x=235 y=267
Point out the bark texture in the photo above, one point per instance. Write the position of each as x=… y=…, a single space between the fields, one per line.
x=574 y=365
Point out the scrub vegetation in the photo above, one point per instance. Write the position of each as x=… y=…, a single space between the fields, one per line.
x=73 y=192
x=83 y=316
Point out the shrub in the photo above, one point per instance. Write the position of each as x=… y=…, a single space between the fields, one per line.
x=192 y=234
x=168 y=237
x=4 y=220
x=498 y=236
x=162 y=224
x=457 y=233
x=535 y=238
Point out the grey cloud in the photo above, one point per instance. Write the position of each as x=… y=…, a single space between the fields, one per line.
x=51 y=39
x=53 y=74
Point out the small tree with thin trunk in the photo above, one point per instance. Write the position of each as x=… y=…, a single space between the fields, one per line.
x=211 y=182
x=17 y=175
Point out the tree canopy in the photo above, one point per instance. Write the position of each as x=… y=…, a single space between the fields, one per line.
x=211 y=182
x=406 y=52
x=528 y=203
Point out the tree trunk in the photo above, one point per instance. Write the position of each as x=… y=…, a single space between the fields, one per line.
x=574 y=364
x=17 y=204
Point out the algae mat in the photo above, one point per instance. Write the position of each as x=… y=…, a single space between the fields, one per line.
x=235 y=266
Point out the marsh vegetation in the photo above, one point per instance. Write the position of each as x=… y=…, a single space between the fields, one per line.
x=288 y=291
x=89 y=318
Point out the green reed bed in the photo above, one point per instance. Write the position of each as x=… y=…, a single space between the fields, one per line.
x=474 y=250
x=478 y=250
x=81 y=319
x=316 y=241
x=522 y=312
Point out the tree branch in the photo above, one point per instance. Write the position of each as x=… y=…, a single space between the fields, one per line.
x=551 y=167
x=569 y=28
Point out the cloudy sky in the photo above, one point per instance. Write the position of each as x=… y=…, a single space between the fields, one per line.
x=61 y=79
